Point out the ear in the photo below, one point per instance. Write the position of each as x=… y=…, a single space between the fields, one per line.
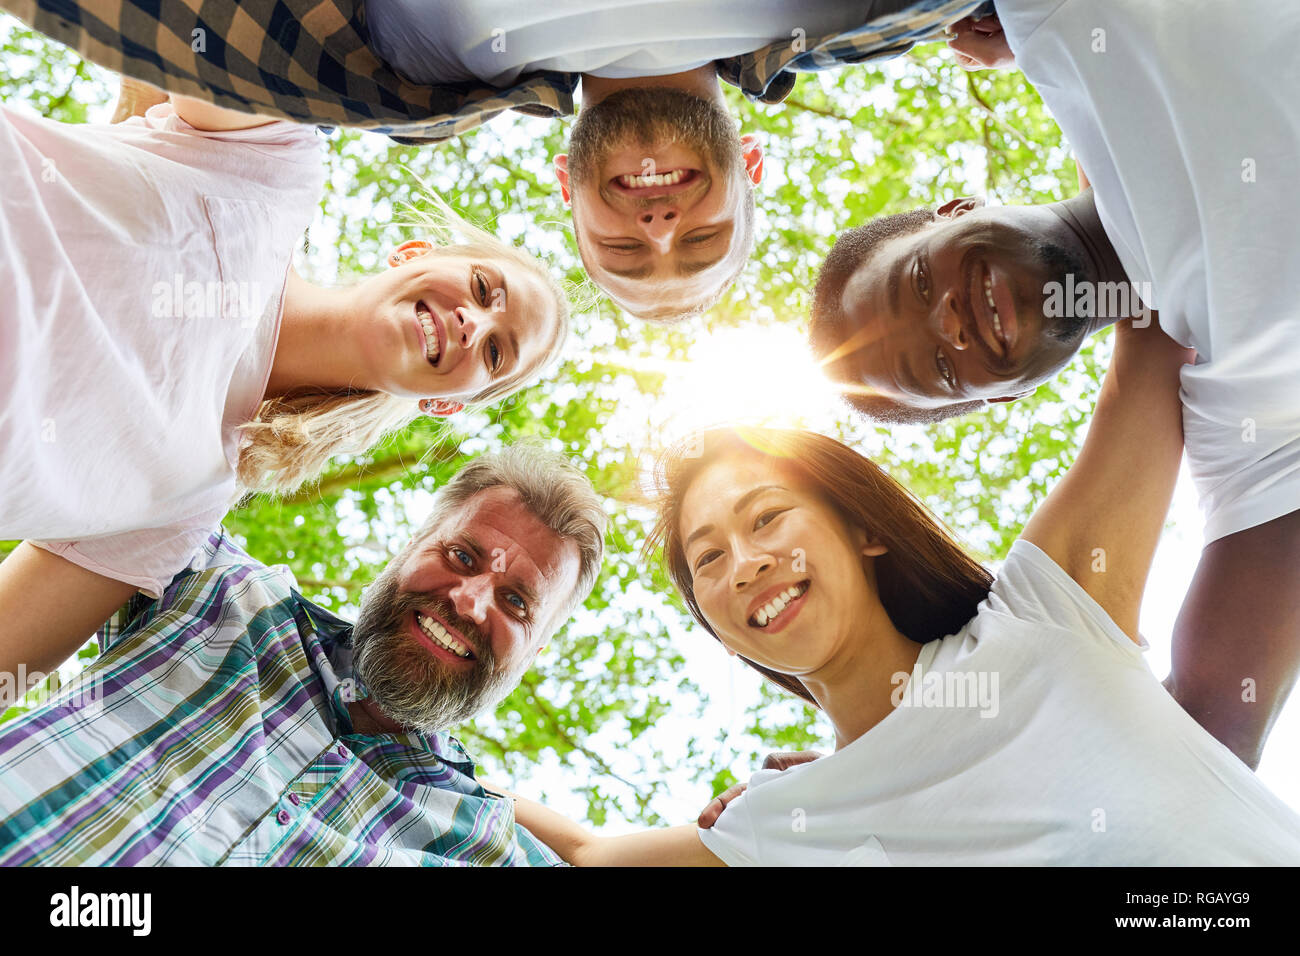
x=439 y=407
x=959 y=207
x=411 y=249
x=867 y=545
x=752 y=152
x=561 y=165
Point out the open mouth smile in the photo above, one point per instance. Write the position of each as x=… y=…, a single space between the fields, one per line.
x=431 y=333
x=780 y=608
x=667 y=183
x=440 y=641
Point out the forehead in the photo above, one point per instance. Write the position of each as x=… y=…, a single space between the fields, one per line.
x=722 y=483
x=497 y=518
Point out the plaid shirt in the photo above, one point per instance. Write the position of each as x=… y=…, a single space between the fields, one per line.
x=213 y=730
x=310 y=60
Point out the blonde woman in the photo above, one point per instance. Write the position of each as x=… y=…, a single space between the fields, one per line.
x=160 y=358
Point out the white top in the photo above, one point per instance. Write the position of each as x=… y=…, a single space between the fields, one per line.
x=1185 y=115
x=1034 y=735
x=142 y=268
x=497 y=41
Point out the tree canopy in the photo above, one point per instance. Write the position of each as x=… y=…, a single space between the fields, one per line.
x=616 y=707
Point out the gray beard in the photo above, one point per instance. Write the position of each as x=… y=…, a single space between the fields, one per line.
x=409 y=684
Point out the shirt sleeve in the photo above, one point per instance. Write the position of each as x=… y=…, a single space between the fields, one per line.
x=283 y=139
x=147 y=559
x=1032 y=587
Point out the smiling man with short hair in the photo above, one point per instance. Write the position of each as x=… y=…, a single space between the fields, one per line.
x=233 y=722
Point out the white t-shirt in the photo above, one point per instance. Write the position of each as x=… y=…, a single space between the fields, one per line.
x=1185 y=115
x=1034 y=735
x=142 y=269
x=497 y=41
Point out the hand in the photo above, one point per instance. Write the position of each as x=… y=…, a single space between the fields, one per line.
x=777 y=761
x=981 y=45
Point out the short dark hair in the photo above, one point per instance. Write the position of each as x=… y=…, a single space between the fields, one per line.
x=851 y=250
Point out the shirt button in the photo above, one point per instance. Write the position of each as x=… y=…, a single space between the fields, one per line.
x=283 y=816
x=343 y=751
x=293 y=798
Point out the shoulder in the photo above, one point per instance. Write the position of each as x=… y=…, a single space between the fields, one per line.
x=224 y=589
x=1032 y=588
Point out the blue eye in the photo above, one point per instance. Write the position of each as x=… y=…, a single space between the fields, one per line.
x=463 y=557
x=517 y=601
x=496 y=354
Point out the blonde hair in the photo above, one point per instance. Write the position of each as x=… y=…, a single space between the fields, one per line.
x=292 y=437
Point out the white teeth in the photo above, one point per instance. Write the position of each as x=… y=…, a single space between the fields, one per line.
x=778 y=604
x=440 y=636
x=430 y=335
x=988 y=297
x=660 y=179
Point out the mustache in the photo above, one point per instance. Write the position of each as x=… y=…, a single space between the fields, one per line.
x=445 y=611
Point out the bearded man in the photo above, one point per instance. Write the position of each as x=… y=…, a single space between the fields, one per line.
x=233 y=722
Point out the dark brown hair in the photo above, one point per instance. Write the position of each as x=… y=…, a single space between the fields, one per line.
x=929 y=586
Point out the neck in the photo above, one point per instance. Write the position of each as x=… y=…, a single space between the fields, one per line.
x=314 y=351
x=857 y=691
x=702 y=82
x=368 y=719
x=1078 y=216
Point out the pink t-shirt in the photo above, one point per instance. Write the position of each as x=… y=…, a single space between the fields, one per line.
x=142 y=272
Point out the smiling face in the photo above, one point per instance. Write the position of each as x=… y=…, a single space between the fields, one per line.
x=449 y=324
x=778 y=575
x=951 y=312
x=450 y=626
x=661 y=188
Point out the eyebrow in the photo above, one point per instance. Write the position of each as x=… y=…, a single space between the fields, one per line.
x=641 y=272
x=691 y=268
x=893 y=287
x=739 y=506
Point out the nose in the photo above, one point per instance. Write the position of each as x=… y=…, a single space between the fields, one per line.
x=466 y=326
x=471 y=597
x=749 y=567
x=659 y=223
x=952 y=322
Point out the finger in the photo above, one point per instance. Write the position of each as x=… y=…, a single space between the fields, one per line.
x=981 y=50
x=786 y=760
x=710 y=814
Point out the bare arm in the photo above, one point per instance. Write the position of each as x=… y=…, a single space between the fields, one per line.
x=49 y=607
x=575 y=844
x=1236 y=643
x=205 y=116
x=1102 y=521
